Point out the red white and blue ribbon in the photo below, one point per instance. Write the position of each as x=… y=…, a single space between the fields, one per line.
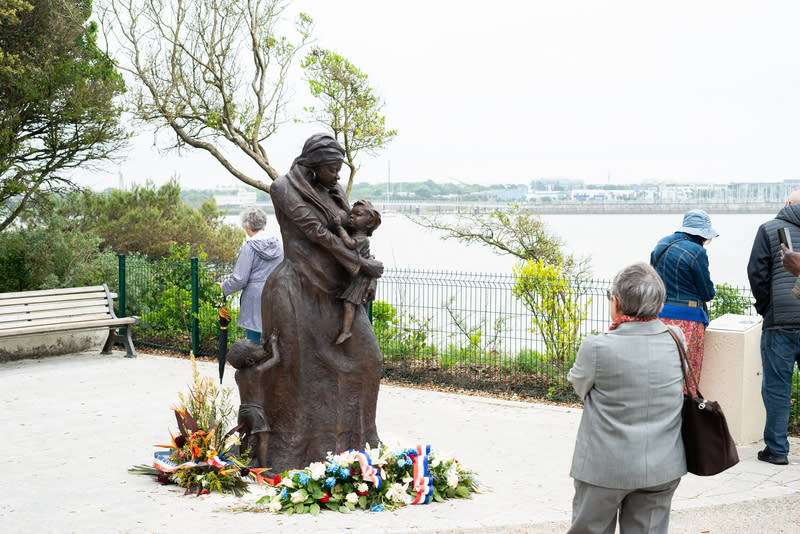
x=218 y=462
x=423 y=483
x=163 y=463
x=369 y=473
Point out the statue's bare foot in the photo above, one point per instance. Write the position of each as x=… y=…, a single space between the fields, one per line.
x=344 y=336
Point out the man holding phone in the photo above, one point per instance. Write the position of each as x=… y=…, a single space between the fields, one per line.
x=772 y=286
x=791 y=262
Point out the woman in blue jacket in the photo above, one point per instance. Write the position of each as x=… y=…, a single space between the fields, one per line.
x=681 y=261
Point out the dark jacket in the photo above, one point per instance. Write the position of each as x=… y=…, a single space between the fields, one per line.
x=683 y=268
x=770 y=283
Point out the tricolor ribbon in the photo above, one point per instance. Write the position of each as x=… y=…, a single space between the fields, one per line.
x=218 y=462
x=423 y=483
x=163 y=463
x=369 y=473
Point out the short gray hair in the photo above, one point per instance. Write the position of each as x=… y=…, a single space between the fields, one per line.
x=639 y=290
x=254 y=219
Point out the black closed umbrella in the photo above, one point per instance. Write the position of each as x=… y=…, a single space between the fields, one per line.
x=224 y=318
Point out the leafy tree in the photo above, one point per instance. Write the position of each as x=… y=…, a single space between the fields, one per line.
x=213 y=71
x=39 y=257
x=145 y=220
x=555 y=304
x=351 y=108
x=58 y=99
x=516 y=231
x=548 y=282
x=151 y=221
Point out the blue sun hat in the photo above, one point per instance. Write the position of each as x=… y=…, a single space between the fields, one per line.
x=697 y=222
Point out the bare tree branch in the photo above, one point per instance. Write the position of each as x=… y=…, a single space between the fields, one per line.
x=213 y=71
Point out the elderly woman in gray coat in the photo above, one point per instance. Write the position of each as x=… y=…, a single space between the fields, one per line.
x=257 y=259
x=629 y=456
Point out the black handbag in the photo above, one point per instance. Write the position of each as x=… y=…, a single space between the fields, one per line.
x=710 y=449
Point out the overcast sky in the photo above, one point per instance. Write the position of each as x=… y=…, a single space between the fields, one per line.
x=507 y=91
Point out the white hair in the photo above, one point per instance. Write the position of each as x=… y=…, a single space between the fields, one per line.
x=254 y=219
x=639 y=290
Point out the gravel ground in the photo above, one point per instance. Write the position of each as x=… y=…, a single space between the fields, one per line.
x=74 y=424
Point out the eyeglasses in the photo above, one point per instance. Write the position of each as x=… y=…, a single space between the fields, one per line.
x=608 y=294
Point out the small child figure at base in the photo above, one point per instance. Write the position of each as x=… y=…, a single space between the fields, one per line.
x=252 y=362
x=362 y=221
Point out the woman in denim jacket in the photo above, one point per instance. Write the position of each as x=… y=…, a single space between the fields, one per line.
x=681 y=261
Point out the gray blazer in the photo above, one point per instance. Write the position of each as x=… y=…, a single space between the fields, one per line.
x=631 y=384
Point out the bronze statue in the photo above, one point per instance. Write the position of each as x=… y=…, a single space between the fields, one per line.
x=362 y=221
x=253 y=363
x=322 y=396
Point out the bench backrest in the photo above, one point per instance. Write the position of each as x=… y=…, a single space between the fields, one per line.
x=54 y=307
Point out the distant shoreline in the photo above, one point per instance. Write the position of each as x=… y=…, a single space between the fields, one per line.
x=558 y=208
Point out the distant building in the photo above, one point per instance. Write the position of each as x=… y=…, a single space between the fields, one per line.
x=510 y=193
x=240 y=199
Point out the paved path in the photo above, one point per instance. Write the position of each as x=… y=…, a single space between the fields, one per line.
x=72 y=425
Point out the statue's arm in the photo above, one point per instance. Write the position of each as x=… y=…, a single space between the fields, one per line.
x=313 y=226
x=344 y=236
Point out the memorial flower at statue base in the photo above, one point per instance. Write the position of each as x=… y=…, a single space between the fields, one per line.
x=372 y=479
x=200 y=458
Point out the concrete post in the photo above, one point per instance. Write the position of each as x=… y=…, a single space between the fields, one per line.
x=731 y=374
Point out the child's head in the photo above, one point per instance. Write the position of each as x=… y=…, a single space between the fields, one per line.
x=244 y=353
x=364 y=217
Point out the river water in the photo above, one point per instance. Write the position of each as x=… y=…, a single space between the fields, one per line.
x=609 y=241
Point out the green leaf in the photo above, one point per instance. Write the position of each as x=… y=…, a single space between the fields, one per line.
x=332 y=506
x=362 y=501
x=300 y=508
x=344 y=509
x=462 y=492
x=313 y=509
x=314 y=488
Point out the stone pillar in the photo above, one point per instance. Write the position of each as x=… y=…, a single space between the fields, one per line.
x=731 y=374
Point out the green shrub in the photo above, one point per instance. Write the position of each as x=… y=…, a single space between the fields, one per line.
x=37 y=257
x=530 y=361
x=555 y=306
x=728 y=299
x=165 y=301
x=400 y=336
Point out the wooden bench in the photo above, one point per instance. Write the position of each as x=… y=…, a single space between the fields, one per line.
x=57 y=310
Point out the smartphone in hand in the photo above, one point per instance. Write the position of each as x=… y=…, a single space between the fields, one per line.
x=785 y=238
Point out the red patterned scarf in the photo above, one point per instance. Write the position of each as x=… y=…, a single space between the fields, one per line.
x=628 y=319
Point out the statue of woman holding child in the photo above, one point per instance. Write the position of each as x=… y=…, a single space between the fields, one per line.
x=322 y=396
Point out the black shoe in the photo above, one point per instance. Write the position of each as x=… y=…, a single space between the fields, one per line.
x=768 y=456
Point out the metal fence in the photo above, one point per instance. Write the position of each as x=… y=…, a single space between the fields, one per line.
x=459 y=330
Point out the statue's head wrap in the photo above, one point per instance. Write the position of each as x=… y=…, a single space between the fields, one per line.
x=319 y=149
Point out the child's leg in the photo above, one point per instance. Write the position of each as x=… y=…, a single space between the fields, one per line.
x=347 y=322
x=261 y=450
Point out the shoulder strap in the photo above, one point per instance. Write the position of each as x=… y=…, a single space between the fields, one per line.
x=658 y=258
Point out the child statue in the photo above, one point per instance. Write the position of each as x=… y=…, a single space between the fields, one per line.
x=362 y=220
x=252 y=362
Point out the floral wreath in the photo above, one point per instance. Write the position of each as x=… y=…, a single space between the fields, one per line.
x=202 y=459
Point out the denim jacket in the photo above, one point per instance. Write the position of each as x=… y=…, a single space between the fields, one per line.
x=684 y=270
